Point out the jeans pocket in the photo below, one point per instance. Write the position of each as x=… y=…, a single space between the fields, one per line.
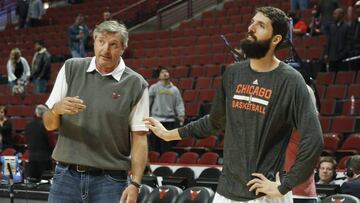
x=116 y=177
x=60 y=170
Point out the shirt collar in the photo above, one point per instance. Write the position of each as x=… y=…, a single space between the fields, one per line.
x=116 y=73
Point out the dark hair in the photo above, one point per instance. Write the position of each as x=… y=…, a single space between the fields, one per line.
x=279 y=20
x=39 y=42
x=158 y=71
x=353 y=163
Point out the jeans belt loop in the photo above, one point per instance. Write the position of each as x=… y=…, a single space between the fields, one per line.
x=80 y=169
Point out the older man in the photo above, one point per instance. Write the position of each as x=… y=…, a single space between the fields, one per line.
x=95 y=104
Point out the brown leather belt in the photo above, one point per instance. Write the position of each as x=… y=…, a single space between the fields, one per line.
x=94 y=171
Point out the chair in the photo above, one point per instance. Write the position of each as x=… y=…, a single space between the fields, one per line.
x=341 y=165
x=163 y=171
x=351 y=145
x=345 y=77
x=207 y=95
x=192 y=109
x=209 y=158
x=196 y=195
x=144 y=192
x=153 y=156
x=354 y=90
x=185 y=83
x=325 y=78
x=188 y=158
x=336 y=92
x=325 y=123
x=209 y=178
x=327 y=106
x=164 y=194
x=331 y=143
x=184 y=145
x=190 y=95
x=184 y=178
x=205 y=144
x=343 y=198
x=203 y=83
x=168 y=157
x=342 y=124
x=8 y=152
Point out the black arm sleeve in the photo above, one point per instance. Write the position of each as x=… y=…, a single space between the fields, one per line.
x=305 y=119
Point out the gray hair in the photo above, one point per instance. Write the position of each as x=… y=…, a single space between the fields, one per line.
x=40 y=110
x=113 y=26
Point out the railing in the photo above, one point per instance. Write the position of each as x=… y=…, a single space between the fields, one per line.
x=181 y=10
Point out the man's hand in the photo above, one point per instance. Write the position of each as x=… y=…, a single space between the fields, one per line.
x=130 y=194
x=159 y=130
x=263 y=185
x=69 y=105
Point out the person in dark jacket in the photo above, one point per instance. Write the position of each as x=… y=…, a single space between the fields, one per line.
x=38 y=145
x=40 y=67
x=258 y=104
x=336 y=49
x=352 y=185
x=78 y=37
x=5 y=129
x=353 y=44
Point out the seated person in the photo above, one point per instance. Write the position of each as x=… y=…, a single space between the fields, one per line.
x=352 y=185
x=327 y=170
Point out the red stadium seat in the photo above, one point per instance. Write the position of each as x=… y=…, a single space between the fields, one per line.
x=327 y=106
x=343 y=124
x=153 y=156
x=209 y=158
x=341 y=165
x=325 y=123
x=192 y=109
x=184 y=145
x=190 y=95
x=325 y=78
x=207 y=95
x=336 y=92
x=345 y=77
x=185 y=83
x=168 y=157
x=351 y=145
x=188 y=158
x=331 y=143
x=203 y=83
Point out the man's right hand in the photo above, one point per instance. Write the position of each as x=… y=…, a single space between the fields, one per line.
x=159 y=130
x=69 y=105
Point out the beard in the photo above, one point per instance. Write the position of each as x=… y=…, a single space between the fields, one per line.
x=255 y=49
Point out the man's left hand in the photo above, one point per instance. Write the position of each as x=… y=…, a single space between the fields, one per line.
x=263 y=185
x=130 y=194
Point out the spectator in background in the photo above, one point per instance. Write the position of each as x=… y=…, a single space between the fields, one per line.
x=22 y=7
x=336 y=49
x=78 y=37
x=354 y=37
x=107 y=15
x=315 y=24
x=5 y=129
x=40 y=67
x=352 y=185
x=299 y=26
x=299 y=5
x=18 y=71
x=38 y=145
x=35 y=12
x=325 y=10
x=327 y=170
x=167 y=106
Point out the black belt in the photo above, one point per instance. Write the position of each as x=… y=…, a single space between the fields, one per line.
x=94 y=171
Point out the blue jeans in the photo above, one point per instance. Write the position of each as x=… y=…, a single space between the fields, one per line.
x=70 y=186
x=40 y=86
